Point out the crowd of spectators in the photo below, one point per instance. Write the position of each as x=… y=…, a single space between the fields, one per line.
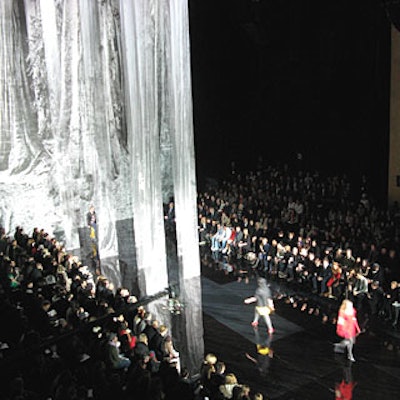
x=67 y=333
x=317 y=234
x=219 y=384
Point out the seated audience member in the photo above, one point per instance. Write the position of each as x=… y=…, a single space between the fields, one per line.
x=207 y=368
x=139 y=321
x=204 y=231
x=360 y=291
x=227 y=388
x=391 y=303
x=184 y=387
x=141 y=349
x=139 y=380
x=151 y=329
x=216 y=239
x=171 y=355
x=226 y=239
x=237 y=239
x=376 y=274
x=333 y=282
x=244 y=246
x=375 y=299
x=113 y=357
x=217 y=379
x=241 y=392
x=125 y=336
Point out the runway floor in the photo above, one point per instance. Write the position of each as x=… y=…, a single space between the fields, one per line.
x=303 y=365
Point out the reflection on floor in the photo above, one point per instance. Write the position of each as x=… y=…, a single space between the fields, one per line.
x=303 y=364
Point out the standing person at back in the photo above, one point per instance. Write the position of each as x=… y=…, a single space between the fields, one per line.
x=91 y=221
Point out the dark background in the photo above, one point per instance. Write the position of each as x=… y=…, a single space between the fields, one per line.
x=273 y=78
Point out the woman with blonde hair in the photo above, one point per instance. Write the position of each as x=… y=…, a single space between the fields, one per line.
x=227 y=388
x=347 y=328
x=172 y=355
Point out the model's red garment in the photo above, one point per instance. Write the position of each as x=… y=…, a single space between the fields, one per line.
x=344 y=390
x=347 y=325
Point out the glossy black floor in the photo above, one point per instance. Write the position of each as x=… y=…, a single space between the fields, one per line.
x=303 y=365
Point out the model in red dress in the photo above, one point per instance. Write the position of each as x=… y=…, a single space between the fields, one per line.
x=347 y=328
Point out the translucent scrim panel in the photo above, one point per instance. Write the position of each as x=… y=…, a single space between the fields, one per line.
x=160 y=128
x=96 y=108
x=63 y=139
x=140 y=32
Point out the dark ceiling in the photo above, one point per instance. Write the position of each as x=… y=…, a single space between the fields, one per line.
x=276 y=78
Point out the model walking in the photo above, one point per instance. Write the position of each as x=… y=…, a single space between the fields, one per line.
x=264 y=304
x=347 y=327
